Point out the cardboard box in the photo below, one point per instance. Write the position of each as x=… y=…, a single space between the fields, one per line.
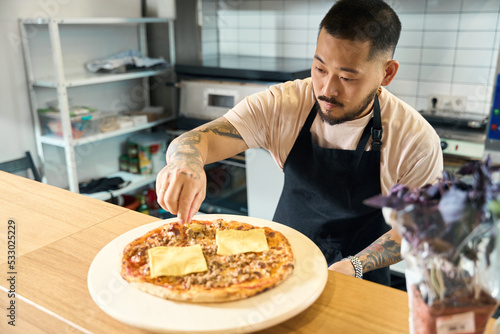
x=139 y=119
x=152 y=113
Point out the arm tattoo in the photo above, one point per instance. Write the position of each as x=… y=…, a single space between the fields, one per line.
x=381 y=253
x=183 y=155
x=185 y=145
x=222 y=128
x=183 y=151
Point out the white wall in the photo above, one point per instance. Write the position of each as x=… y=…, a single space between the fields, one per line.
x=447 y=47
x=16 y=126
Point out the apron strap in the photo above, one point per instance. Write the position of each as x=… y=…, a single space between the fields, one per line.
x=377 y=126
x=374 y=127
x=310 y=118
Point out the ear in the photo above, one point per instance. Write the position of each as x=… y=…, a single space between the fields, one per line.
x=391 y=68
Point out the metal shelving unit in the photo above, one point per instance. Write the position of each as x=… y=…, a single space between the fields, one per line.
x=63 y=82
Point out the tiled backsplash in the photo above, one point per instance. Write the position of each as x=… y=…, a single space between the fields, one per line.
x=447 y=47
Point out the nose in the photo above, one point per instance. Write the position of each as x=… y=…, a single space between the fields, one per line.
x=331 y=87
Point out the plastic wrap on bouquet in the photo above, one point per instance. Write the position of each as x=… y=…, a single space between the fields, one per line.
x=451 y=289
x=449 y=241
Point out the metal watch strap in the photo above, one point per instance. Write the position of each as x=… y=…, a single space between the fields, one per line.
x=358 y=268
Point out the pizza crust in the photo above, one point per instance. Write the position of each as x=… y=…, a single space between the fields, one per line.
x=192 y=295
x=215 y=295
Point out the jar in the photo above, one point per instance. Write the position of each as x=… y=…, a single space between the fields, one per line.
x=124 y=163
x=133 y=166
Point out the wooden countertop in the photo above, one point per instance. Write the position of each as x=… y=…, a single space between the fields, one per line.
x=58 y=234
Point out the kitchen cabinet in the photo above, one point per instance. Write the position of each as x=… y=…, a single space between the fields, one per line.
x=55 y=52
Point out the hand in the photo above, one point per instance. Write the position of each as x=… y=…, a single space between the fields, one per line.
x=181 y=188
x=344 y=267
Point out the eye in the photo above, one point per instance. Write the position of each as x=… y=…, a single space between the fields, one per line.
x=319 y=70
x=346 y=79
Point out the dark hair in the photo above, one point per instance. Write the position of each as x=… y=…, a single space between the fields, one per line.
x=364 y=20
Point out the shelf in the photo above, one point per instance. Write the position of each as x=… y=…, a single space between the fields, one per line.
x=88 y=78
x=54 y=140
x=97 y=20
x=137 y=181
x=67 y=33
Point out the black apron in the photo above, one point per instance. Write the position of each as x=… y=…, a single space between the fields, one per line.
x=323 y=193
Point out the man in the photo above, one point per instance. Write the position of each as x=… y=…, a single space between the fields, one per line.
x=339 y=137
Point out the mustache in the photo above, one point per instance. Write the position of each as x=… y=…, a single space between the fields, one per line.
x=331 y=100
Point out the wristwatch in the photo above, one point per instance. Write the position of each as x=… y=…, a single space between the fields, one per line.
x=358 y=268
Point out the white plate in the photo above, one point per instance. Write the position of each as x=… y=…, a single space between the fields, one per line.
x=136 y=308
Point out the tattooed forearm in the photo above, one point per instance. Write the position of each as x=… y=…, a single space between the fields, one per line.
x=383 y=252
x=211 y=142
x=183 y=156
x=222 y=128
x=184 y=146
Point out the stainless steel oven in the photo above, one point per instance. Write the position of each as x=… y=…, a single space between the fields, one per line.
x=203 y=100
x=207 y=91
x=462 y=135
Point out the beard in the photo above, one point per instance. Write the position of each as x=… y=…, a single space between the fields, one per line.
x=349 y=115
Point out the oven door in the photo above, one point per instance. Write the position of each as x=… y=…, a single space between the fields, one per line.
x=226 y=187
x=226 y=191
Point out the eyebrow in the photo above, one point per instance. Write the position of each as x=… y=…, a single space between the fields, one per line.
x=344 y=69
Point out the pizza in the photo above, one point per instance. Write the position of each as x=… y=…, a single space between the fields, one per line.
x=207 y=261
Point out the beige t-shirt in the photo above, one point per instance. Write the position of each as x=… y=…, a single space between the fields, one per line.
x=411 y=152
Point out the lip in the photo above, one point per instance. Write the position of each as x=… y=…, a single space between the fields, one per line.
x=329 y=106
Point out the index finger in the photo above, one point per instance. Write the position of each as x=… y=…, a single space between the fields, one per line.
x=186 y=203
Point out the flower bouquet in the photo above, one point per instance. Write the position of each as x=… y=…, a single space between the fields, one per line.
x=449 y=232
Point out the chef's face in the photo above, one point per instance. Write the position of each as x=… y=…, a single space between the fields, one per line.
x=344 y=80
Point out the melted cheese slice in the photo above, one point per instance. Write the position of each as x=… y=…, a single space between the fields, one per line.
x=235 y=242
x=176 y=261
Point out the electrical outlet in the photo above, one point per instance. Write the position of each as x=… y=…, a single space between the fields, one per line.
x=447 y=102
x=459 y=103
x=436 y=101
